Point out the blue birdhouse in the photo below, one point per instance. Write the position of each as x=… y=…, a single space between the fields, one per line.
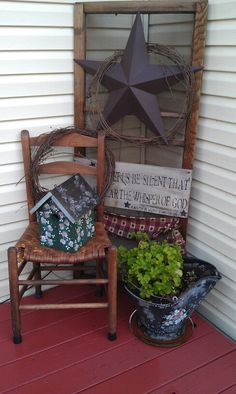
x=66 y=215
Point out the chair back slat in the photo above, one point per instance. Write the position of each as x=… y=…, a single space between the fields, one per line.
x=66 y=168
x=73 y=140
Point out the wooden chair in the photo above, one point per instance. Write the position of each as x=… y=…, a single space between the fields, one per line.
x=29 y=249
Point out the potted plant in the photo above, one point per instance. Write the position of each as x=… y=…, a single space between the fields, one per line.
x=165 y=286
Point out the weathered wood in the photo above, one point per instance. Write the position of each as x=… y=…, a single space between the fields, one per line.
x=161 y=190
x=198 y=46
x=66 y=306
x=162 y=6
x=63 y=282
x=112 y=291
x=73 y=140
x=79 y=53
x=30 y=276
x=14 y=293
x=68 y=268
x=66 y=167
x=166 y=114
x=25 y=141
x=100 y=174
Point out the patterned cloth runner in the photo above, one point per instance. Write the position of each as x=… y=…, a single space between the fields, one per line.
x=155 y=227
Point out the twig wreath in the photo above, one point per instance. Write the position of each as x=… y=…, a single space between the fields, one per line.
x=45 y=149
x=93 y=94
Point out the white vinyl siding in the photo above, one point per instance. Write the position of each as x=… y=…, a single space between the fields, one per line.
x=36 y=91
x=212 y=223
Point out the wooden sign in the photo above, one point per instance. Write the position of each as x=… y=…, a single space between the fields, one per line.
x=161 y=190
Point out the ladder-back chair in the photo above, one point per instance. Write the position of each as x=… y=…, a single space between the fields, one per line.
x=28 y=248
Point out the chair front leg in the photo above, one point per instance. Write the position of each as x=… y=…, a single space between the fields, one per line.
x=112 y=291
x=14 y=293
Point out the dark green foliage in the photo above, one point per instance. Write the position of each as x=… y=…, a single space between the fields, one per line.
x=152 y=268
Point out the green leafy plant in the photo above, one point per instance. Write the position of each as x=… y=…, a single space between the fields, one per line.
x=151 y=268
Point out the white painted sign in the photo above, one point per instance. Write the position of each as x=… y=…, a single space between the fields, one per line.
x=161 y=190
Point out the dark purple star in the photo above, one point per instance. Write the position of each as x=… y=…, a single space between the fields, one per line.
x=133 y=83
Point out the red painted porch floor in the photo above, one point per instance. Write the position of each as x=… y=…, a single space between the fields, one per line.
x=66 y=351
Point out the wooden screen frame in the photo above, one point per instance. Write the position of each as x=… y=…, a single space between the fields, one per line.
x=198 y=9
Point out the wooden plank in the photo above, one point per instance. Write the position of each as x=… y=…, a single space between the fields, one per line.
x=170 y=365
x=197 y=60
x=65 y=167
x=86 y=305
x=84 y=343
x=222 y=369
x=91 y=352
x=72 y=139
x=79 y=53
x=229 y=390
x=198 y=45
x=147 y=6
x=44 y=330
x=33 y=320
x=153 y=189
x=136 y=367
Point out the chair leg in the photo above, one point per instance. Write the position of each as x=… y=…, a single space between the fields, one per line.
x=112 y=291
x=37 y=276
x=15 y=296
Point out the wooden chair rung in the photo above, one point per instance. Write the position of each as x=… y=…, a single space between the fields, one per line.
x=53 y=282
x=66 y=306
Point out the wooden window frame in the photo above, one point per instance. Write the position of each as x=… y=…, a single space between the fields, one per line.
x=198 y=9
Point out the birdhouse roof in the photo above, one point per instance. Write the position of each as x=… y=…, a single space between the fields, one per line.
x=73 y=197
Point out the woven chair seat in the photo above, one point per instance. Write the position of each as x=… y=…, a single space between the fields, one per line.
x=30 y=249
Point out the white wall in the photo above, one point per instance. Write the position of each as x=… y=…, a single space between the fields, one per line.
x=36 y=91
x=212 y=224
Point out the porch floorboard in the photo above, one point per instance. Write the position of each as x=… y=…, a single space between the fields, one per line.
x=66 y=351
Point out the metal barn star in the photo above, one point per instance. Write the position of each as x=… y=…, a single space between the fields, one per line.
x=133 y=83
